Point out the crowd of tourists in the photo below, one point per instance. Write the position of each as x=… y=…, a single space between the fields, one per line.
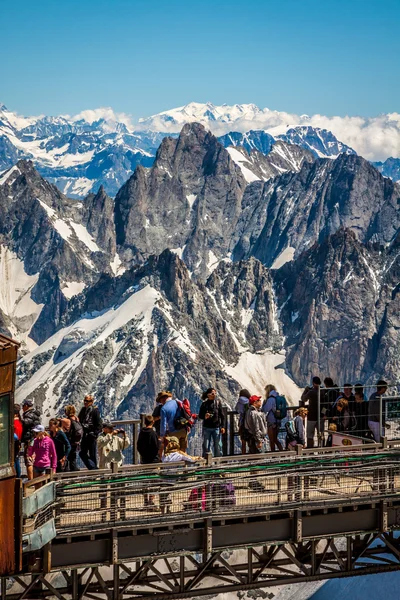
x=164 y=434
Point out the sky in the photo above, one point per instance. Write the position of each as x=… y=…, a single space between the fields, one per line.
x=334 y=57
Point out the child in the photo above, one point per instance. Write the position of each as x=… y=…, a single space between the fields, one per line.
x=172 y=453
x=43 y=449
x=295 y=429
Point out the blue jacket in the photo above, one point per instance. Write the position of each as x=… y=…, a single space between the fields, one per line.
x=167 y=417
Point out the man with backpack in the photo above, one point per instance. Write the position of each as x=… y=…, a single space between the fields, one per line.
x=174 y=421
x=89 y=418
x=213 y=418
x=74 y=432
x=275 y=409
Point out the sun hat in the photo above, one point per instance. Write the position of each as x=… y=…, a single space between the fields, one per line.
x=39 y=429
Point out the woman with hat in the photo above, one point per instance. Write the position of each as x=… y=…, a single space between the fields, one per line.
x=43 y=451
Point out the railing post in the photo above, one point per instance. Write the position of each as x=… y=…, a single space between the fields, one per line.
x=319 y=417
x=135 y=439
x=225 y=435
x=231 y=433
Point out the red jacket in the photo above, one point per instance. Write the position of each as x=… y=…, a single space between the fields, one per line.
x=18 y=428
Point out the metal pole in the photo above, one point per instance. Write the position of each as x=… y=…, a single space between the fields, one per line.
x=231 y=433
x=380 y=418
x=319 y=416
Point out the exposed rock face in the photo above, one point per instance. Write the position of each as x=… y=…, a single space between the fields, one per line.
x=99 y=217
x=389 y=168
x=183 y=315
x=46 y=253
x=339 y=309
x=155 y=327
x=296 y=210
x=251 y=140
x=282 y=158
x=189 y=200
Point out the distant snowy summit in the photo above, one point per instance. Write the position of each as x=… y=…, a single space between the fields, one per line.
x=99 y=147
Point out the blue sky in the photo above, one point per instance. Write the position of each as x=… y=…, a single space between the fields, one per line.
x=140 y=57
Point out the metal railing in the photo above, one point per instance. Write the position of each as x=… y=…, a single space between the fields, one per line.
x=229 y=486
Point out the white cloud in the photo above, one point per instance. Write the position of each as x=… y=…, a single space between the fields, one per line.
x=106 y=113
x=374 y=138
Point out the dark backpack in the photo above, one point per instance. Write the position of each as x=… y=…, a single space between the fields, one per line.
x=291 y=432
x=75 y=433
x=281 y=407
x=226 y=494
x=182 y=418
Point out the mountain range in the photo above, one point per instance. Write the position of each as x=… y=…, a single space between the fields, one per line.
x=98 y=148
x=206 y=268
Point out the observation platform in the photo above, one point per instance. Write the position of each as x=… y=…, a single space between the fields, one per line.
x=228 y=524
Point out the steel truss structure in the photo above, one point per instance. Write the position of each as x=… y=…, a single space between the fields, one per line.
x=166 y=578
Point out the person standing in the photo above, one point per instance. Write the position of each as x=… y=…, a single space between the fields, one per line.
x=169 y=413
x=42 y=452
x=148 y=446
x=295 y=429
x=331 y=393
x=213 y=418
x=18 y=430
x=61 y=443
x=311 y=396
x=273 y=422
x=111 y=446
x=242 y=406
x=360 y=412
x=255 y=424
x=374 y=411
x=74 y=432
x=30 y=418
x=89 y=418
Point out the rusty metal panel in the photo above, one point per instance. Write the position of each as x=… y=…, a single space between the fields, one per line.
x=6 y=378
x=7 y=527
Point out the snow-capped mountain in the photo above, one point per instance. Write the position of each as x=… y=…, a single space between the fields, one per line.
x=195 y=112
x=374 y=138
x=320 y=142
x=98 y=147
x=77 y=155
x=389 y=168
x=194 y=275
x=282 y=158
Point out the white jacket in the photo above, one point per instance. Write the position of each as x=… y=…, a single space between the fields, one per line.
x=110 y=449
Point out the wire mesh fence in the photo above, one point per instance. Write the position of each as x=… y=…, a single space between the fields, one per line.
x=179 y=493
